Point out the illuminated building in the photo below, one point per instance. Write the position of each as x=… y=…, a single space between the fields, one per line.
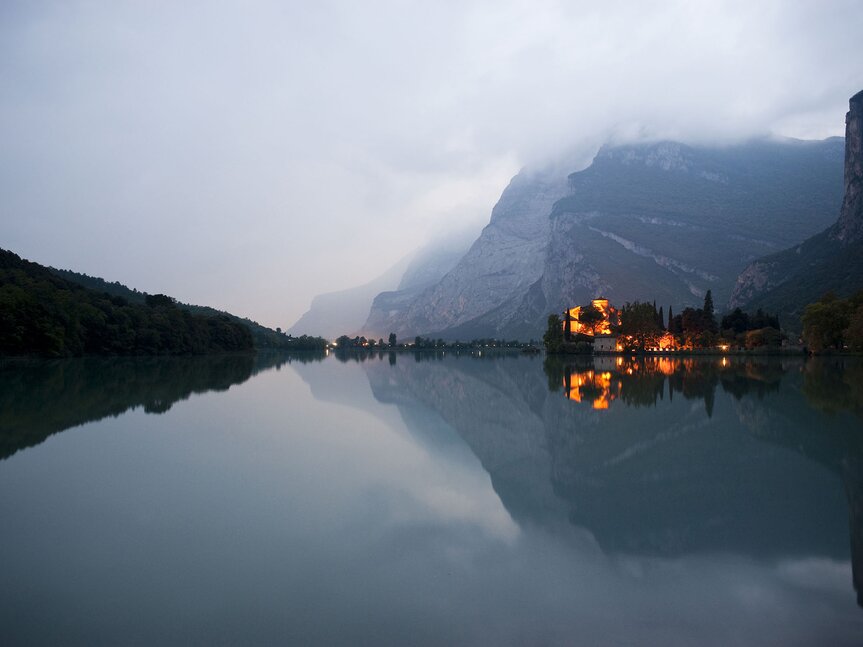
x=610 y=318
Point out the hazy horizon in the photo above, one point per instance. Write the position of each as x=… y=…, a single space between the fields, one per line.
x=251 y=159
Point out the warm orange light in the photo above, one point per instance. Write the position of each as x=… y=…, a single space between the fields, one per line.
x=600 y=403
x=578 y=385
x=602 y=328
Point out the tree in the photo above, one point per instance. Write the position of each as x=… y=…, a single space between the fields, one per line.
x=392 y=339
x=638 y=322
x=736 y=321
x=591 y=317
x=825 y=322
x=553 y=337
x=160 y=301
x=763 y=337
x=854 y=331
x=709 y=316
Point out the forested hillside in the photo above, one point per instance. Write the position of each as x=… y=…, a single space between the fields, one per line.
x=262 y=336
x=44 y=314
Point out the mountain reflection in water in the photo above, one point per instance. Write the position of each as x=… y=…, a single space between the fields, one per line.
x=427 y=498
x=39 y=398
x=657 y=456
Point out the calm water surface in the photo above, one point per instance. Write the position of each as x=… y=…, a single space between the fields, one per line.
x=430 y=499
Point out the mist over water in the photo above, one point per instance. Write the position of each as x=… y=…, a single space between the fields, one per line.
x=431 y=499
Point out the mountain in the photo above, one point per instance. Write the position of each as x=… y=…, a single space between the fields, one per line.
x=44 y=314
x=263 y=337
x=363 y=309
x=428 y=267
x=831 y=260
x=664 y=221
x=503 y=263
x=343 y=312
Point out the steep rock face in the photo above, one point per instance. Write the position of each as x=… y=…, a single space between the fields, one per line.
x=428 y=267
x=831 y=260
x=497 y=270
x=849 y=227
x=660 y=221
x=670 y=221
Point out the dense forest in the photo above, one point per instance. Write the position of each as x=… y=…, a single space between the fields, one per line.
x=263 y=337
x=44 y=314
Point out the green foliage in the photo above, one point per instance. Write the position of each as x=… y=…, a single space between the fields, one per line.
x=763 y=338
x=553 y=337
x=854 y=331
x=826 y=321
x=639 y=321
x=44 y=314
x=264 y=338
x=392 y=340
x=709 y=318
x=805 y=272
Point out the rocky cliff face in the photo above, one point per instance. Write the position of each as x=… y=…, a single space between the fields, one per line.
x=660 y=221
x=849 y=227
x=494 y=274
x=831 y=260
x=389 y=308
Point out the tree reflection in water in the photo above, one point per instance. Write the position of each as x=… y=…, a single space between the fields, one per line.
x=39 y=398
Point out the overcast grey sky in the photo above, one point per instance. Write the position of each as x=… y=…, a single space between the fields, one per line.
x=248 y=155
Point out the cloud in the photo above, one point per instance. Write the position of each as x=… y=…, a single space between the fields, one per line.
x=250 y=157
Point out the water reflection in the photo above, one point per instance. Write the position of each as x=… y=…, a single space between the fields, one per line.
x=660 y=456
x=39 y=398
x=644 y=381
x=433 y=500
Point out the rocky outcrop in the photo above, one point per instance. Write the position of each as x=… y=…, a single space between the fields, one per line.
x=829 y=261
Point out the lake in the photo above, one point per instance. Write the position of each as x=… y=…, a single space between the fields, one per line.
x=431 y=499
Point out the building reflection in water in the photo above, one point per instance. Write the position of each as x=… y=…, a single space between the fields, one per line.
x=660 y=455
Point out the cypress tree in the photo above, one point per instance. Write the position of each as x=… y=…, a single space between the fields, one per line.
x=670 y=319
x=708 y=304
x=709 y=319
x=661 y=319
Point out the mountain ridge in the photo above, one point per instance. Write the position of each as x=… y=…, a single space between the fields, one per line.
x=660 y=220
